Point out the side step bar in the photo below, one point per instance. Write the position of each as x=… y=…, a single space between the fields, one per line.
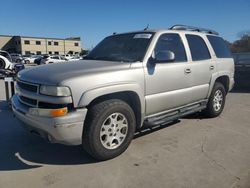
x=174 y=114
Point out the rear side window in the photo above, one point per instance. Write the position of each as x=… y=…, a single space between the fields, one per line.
x=220 y=48
x=198 y=48
x=172 y=42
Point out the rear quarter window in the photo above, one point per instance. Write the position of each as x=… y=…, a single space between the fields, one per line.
x=220 y=48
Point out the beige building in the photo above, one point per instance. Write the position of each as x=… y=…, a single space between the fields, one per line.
x=36 y=45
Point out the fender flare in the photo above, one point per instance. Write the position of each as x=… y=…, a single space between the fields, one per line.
x=214 y=78
x=88 y=96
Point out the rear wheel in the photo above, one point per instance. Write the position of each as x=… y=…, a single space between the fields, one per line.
x=109 y=129
x=2 y=64
x=216 y=101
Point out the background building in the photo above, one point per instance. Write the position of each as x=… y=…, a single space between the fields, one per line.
x=40 y=45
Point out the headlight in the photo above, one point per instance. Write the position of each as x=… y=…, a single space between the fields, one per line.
x=60 y=91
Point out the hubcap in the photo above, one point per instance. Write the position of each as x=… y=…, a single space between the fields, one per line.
x=114 y=131
x=218 y=100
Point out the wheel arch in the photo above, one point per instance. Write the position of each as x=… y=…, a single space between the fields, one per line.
x=131 y=95
x=224 y=79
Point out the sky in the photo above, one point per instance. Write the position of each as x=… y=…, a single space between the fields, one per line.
x=93 y=20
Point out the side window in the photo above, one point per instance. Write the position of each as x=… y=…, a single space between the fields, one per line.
x=198 y=48
x=172 y=42
x=220 y=48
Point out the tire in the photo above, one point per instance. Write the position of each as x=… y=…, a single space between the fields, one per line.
x=2 y=64
x=100 y=139
x=216 y=101
x=27 y=62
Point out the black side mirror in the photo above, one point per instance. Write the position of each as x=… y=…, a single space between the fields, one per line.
x=164 y=56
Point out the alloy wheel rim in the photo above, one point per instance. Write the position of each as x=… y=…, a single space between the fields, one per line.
x=114 y=130
x=218 y=100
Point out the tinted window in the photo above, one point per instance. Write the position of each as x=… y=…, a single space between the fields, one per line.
x=198 y=48
x=172 y=42
x=220 y=48
x=130 y=47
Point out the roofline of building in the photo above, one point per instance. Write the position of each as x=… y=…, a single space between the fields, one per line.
x=69 y=38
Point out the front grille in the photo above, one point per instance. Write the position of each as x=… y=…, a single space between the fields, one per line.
x=28 y=101
x=27 y=86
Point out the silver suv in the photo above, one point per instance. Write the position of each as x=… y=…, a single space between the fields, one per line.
x=127 y=81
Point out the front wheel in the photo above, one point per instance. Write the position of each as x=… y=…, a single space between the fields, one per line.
x=109 y=129
x=216 y=101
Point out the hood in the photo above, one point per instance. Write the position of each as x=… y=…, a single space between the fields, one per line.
x=53 y=74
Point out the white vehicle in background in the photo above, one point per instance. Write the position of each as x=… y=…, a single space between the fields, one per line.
x=53 y=59
x=75 y=58
x=68 y=56
x=5 y=61
x=29 y=59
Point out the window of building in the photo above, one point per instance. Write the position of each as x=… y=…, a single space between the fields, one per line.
x=76 y=44
x=38 y=42
x=220 y=48
x=172 y=42
x=26 y=42
x=50 y=52
x=49 y=43
x=56 y=43
x=57 y=53
x=198 y=48
x=27 y=53
x=38 y=53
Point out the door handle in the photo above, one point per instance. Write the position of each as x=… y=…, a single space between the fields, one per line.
x=211 y=67
x=188 y=70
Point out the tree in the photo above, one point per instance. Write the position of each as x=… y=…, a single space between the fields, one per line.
x=242 y=45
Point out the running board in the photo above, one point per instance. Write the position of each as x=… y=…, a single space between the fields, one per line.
x=174 y=114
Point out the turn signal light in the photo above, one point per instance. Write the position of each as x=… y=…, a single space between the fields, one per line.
x=59 y=112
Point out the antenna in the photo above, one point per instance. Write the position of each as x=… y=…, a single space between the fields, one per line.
x=146 y=28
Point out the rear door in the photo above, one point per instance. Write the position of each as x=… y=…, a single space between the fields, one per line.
x=202 y=66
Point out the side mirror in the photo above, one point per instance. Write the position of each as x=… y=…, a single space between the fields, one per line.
x=164 y=56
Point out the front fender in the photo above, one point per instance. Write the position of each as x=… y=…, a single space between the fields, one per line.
x=88 y=96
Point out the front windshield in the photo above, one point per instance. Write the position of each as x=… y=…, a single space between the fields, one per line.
x=129 y=47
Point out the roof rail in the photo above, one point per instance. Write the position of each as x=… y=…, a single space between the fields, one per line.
x=191 y=28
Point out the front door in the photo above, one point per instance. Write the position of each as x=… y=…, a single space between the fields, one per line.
x=168 y=83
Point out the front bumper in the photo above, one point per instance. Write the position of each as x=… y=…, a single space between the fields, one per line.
x=65 y=130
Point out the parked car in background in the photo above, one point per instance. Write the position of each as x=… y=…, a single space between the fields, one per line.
x=16 y=58
x=5 y=60
x=75 y=58
x=53 y=59
x=39 y=59
x=68 y=56
x=242 y=69
x=30 y=59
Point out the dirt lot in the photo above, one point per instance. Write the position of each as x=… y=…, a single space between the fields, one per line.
x=193 y=152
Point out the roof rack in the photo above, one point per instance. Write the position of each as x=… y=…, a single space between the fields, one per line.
x=191 y=28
